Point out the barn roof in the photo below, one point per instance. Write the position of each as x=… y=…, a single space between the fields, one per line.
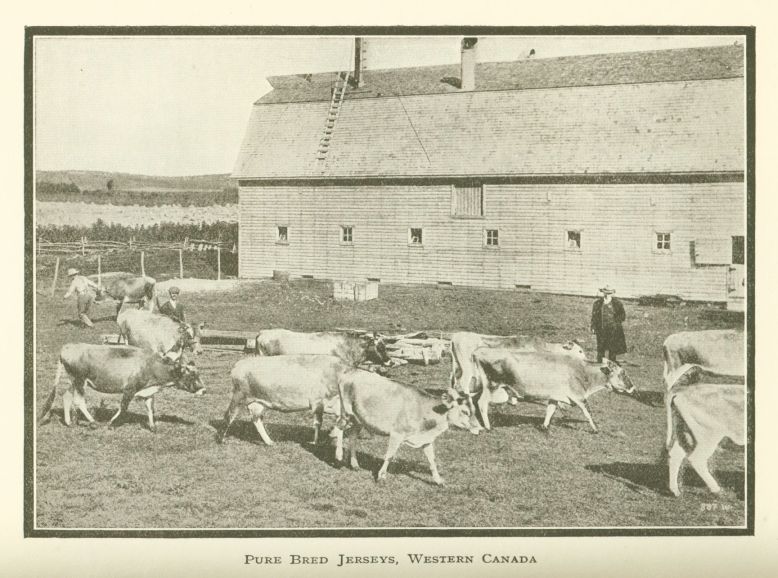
x=647 y=112
x=588 y=70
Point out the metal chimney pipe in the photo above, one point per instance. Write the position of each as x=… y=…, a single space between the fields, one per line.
x=359 y=61
x=469 y=59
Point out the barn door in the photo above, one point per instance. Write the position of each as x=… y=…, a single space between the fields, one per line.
x=736 y=276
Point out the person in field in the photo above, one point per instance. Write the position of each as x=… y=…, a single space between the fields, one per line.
x=85 y=291
x=607 y=317
x=172 y=307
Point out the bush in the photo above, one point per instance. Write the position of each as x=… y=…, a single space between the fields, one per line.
x=166 y=232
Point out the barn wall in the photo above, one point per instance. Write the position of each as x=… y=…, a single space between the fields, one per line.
x=617 y=225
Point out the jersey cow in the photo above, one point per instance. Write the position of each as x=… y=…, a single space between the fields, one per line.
x=158 y=333
x=464 y=343
x=127 y=288
x=287 y=383
x=701 y=415
x=408 y=416
x=719 y=351
x=125 y=370
x=545 y=376
x=353 y=349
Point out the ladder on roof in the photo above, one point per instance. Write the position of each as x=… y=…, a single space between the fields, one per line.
x=338 y=93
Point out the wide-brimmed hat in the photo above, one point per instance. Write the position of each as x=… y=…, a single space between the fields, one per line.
x=174 y=290
x=73 y=271
x=607 y=289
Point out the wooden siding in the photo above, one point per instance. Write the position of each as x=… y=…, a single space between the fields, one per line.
x=618 y=225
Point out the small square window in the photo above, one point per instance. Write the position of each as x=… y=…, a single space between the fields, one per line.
x=415 y=236
x=346 y=234
x=492 y=238
x=573 y=240
x=282 y=234
x=663 y=242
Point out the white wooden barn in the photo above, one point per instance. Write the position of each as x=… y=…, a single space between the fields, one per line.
x=555 y=175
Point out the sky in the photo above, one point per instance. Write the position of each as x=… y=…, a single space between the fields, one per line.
x=180 y=105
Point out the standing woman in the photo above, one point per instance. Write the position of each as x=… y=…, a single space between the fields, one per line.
x=607 y=317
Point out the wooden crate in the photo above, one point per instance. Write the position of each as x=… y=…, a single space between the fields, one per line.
x=355 y=291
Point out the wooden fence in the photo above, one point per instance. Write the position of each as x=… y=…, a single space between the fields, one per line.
x=85 y=247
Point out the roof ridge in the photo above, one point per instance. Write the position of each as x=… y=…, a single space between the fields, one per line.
x=632 y=53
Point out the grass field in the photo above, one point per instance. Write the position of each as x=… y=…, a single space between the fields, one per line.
x=514 y=476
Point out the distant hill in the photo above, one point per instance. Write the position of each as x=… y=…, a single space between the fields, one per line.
x=98 y=180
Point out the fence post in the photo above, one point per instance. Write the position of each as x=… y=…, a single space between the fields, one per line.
x=56 y=272
x=99 y=272
x=142 y=265
x=180 y=263
x=218 y=262
x=83 y=242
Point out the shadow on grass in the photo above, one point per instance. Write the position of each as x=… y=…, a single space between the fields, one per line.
x=649 y=398
x=77 y=322
x=653 y=477
x=278 y=432
x=371 y=463
x=103 y=415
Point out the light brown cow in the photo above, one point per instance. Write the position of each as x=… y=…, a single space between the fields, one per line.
x=545 y=376
x=702 y=414
x=404 y=413
x=464 y=343
x=286 y=383
x=719 y=351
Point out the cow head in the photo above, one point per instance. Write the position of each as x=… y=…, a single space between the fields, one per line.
x=189 y=337
x=375 y=349
x=617 y=378
x=460 y=411
x=188 y=378
x=574 y=349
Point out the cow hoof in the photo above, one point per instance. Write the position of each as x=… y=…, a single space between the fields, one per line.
x=440 y=482
x=93 y=425
x=595 y=431
x=544 y=429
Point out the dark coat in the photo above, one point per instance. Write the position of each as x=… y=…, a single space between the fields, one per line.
x=176 y=313
x=610 y=338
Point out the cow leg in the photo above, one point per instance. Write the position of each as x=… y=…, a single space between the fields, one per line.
x=149 y=401
x=80 y=401
x=585 y=409
x=483 y=407
x=318 y=417
x=126 y=399
x=675 y=457
x=550 y=409
x=256 y=409
x=229 y=416
x=699 y=457
x=429 y=451
x=67 y=405
x=395 y=441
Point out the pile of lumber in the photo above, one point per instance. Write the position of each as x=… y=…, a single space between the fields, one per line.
x=419 y=347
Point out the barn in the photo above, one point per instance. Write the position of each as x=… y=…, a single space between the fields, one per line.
x=554 y=175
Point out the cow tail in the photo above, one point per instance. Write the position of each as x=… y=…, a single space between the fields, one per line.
x=46 y=408
x=480 y=374
x=148 y=289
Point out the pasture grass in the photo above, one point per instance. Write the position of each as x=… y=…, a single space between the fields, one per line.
x=513 y=477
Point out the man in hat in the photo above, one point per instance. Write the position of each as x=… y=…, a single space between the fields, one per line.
x=173 y=308
x=85 y=294
x=607 y=317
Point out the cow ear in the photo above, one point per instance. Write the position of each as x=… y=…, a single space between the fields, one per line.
x=605 y=369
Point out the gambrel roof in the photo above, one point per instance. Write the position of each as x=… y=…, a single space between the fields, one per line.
x=665 y=111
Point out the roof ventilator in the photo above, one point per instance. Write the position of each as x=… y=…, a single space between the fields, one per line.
x=338 y=93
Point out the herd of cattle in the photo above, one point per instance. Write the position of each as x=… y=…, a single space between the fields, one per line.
x=320 y=372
